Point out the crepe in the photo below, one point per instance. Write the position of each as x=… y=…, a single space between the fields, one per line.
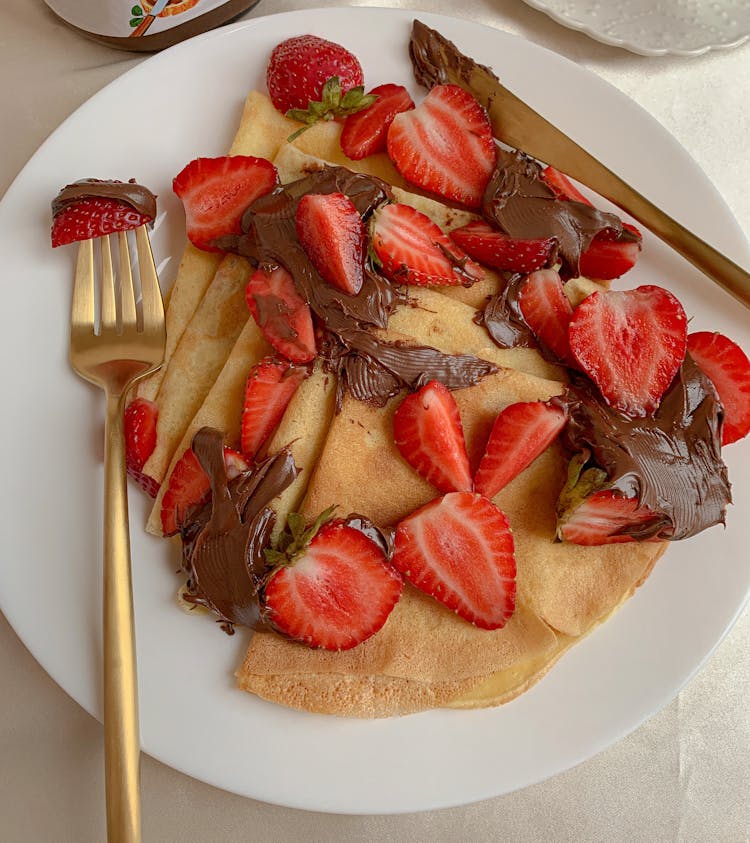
x=425 y=656
x=424 y=651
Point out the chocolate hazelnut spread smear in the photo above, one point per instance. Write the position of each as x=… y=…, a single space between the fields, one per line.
x=523 y=206
x=516 y=199
x=131 y=193
x=223 y=540
x=502 y=317
x=372 y=369
x=671 y=462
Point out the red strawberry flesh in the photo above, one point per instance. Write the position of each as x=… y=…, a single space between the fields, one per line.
x=332 y=234
x=728 y=368
x=521 y=432
x=459 y=550
x=412 y=249
x=547 y=311
x=630 y=344
x=365 y=132
x=216 y=192
x=268 y=391
x=607 y=259
x=336 y=594
x=139 y=421
x=428 y=434
x=492 y=248
x=282 y=314
x=445 y=145
x=189 y=486
x=563 y=187
x=93 y=217
x=605 y=517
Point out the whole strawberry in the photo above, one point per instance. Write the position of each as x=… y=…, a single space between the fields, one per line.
x=311 y=79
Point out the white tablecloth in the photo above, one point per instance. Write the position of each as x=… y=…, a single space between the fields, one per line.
x=682 y=776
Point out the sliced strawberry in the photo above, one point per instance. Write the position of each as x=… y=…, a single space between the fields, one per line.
x=604 y=517
x=216 y=193
x=631 y=344
x=282 y=314
x=189 y=486
x=547 y=311
x=428 y=433
x=332 y=234
x=268 y=391
x=459 y=550
x=629 y=232
x=607 y=259
x=519 y=435
x=149 y=485
x=311 y=79
x=333 y=591
x=139 y=421
x=493 y=248
x=726 y=364
x=412 y=249
x=563 y=187
x=365 y=132
x=445 y=145
x=94 y=217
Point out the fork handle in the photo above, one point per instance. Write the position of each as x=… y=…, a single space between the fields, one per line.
x=121 y=730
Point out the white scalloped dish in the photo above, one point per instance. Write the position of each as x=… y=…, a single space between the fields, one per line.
x=655 y=27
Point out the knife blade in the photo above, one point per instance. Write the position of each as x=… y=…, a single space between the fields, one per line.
x=438 y=61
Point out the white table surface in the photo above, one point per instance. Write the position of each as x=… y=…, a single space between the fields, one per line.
x=682 y=776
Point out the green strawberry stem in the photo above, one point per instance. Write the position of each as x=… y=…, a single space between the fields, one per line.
x=295 y=538
x=580 y=483
x=332 y=104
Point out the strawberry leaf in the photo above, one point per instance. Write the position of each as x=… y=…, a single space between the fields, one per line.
x=295 y=538
x=581 y=482
x=330 y=106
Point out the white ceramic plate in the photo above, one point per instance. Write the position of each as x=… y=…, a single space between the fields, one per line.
x=148 y=124
x=656 y=27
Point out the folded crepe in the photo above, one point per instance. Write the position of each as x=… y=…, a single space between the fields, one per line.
x=425 y=656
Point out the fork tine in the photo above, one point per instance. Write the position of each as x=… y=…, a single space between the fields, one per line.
x=109 y=308
x=152 y=304
x=127 y=294
x=82 y=311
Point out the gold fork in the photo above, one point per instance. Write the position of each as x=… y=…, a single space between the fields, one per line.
x=112 y=353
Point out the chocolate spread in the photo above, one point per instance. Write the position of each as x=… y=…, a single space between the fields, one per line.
x=522 y=205
x=670 y=462
x=223 y=540
x=140 y=198
x=502 y=317
x=372 y=369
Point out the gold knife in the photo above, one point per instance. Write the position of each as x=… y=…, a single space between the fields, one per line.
x=437 y=61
